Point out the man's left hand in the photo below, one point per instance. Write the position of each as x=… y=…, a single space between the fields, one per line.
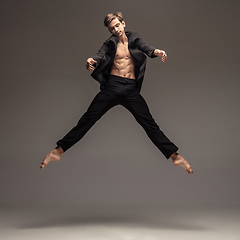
x=161 y=53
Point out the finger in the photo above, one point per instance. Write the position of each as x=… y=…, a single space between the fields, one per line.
x=89 y=64
x=164 y=59
x=91 y=68
x=164 y=54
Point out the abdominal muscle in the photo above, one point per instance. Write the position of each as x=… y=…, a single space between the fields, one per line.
x=123 y=64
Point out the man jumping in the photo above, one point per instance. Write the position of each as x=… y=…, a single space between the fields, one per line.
x=119 y=67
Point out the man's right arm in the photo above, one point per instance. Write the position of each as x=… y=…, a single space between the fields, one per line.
x=97 y=58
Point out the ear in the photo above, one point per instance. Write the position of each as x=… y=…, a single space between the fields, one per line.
x=124 y=24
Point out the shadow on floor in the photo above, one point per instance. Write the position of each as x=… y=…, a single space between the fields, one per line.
x=149 y=219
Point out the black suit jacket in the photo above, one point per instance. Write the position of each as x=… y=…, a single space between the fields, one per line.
x=105 y=56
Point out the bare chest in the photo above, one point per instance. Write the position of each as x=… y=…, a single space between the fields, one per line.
x=122 y=51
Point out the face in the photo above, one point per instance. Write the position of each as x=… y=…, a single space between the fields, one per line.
x=116 y=27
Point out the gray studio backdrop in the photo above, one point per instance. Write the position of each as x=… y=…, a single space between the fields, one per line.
x=194 y=97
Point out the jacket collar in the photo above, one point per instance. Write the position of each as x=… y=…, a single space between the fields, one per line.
x=115 y=40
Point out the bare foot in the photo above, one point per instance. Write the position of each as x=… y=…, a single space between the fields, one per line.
x=54 y=155
x=178 y=160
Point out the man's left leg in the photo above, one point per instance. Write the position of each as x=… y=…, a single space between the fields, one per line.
x=136 y=104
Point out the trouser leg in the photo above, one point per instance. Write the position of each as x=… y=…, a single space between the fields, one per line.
x=99 y=106
x=136 y=104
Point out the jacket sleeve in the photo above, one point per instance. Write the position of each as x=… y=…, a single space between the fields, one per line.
x=142 y=46
x=102 y=54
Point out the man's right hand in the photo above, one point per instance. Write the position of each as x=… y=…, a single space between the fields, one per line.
x=89 y=64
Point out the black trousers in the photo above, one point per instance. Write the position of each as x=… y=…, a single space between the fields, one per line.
x=121 y=91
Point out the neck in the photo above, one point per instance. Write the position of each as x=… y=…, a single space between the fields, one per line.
x=123 y=38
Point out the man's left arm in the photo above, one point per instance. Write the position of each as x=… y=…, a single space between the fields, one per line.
x=149 y=50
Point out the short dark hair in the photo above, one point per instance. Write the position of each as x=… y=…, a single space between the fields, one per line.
x=112 y=16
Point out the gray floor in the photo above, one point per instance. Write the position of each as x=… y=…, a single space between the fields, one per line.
x=119 y=223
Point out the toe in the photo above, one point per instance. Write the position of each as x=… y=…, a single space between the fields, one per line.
x=43 y=164
x=189 y=170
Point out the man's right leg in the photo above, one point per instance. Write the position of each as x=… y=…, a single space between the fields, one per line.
x=103 y=101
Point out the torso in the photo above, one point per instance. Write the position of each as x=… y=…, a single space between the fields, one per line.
x=123 y=65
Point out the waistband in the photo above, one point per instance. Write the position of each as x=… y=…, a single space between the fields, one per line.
x=121 y=79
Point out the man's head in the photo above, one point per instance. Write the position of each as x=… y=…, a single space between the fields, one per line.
x=112 y=16
x=115 y=24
